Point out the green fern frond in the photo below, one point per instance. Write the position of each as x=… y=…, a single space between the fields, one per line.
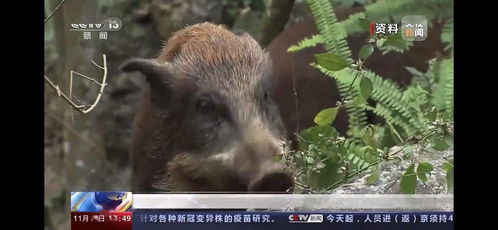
x=332 y=33
x=358 y=156
x=399 y=107
x=395 y=43
x=416 y=95
x=417 y=98
x=401 y=48
x=402 y=108
x=383 y=10
x=357 y=115
x=447 y=35
x=442 y=91
x=449 y=97
x=352 y=24
x=396 y=106
x=306 y=43
x=392 y=116
x=443 y=75
x=334 y=41
x=392 y=10
x=407 y=112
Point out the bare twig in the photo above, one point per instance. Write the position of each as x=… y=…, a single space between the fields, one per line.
x=61 y=94
x=295 y=95
x=349 y=89
x=71 y=112
x=102 y=86
x=80 y=107
x=53 y=12
x=84 y=76
x=97 y=64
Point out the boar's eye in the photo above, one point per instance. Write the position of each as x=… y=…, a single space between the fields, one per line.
x=205 y=106
x=265 y=96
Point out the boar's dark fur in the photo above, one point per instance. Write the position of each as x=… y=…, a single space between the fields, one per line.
x=207 y=120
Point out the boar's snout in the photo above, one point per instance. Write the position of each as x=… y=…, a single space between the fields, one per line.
x=277 y=181
x=255 y=160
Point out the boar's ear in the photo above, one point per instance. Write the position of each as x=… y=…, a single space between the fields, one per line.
x=158 y=76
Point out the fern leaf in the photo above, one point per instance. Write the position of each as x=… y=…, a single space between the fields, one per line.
x=417 y=98
x=334 y=41
x=357 y=115
x=447 y=35
x=449 y=98
x=389 y=11
x=383 y=10
x=332 y=33
x=442 y=92
x=306 y=43
x=395 y=43
x=401 y=108
x=352 y=24
x=358 y=156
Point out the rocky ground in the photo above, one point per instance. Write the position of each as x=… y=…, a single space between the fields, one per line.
x=392 y=171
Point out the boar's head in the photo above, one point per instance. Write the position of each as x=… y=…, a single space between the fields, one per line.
x=207 y=120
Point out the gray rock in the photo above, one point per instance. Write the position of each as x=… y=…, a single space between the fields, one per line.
x=392 y=171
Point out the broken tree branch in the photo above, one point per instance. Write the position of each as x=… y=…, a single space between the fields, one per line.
x=80 y=107
x=53 y=12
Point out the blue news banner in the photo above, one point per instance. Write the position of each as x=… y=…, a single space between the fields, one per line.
x=207 y=220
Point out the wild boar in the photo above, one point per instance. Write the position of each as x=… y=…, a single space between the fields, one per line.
x=207 y=120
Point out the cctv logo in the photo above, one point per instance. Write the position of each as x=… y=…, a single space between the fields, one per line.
x=306 y=218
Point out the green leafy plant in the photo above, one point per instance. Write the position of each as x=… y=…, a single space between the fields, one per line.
x=419 y=116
